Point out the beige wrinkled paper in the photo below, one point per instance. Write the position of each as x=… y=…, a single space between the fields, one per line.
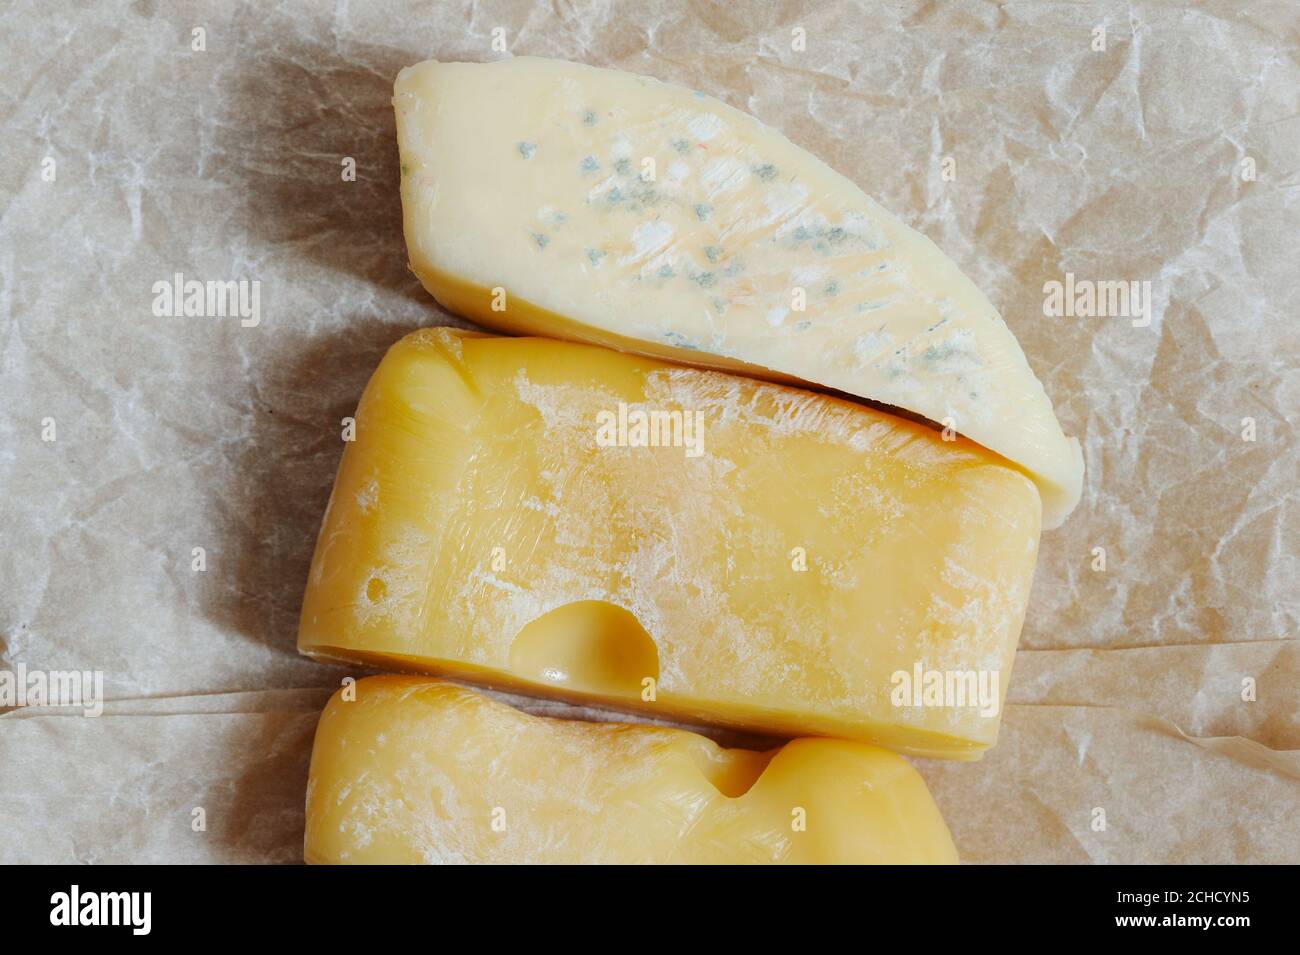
x=1169 y=156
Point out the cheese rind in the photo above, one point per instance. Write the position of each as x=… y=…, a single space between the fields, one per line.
x=778 y=580
x=419 y=771
x=613 y=208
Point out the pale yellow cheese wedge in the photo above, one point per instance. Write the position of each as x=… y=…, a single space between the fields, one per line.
x=410 y=770
x=780 y=580
x=609 y=207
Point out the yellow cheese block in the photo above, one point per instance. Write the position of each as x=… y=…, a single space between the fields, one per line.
x=792 y=563
x=613 y=208
x=413 y=770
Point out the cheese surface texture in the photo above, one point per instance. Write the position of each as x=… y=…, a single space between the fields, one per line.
x=502 y=517
x=419 y=771
x=613 y=208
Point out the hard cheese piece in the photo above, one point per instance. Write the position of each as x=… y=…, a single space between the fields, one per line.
x=613 y=208
x=418 y=771
x=486 y=523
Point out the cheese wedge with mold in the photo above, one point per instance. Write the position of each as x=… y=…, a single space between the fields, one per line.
x=551 y=198
x=764 y=557
x=412 y=770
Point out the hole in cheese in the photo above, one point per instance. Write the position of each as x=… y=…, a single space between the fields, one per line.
x=732 y=772
x=591 y=646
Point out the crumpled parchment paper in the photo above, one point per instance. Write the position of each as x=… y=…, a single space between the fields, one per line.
x=1169 y=156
